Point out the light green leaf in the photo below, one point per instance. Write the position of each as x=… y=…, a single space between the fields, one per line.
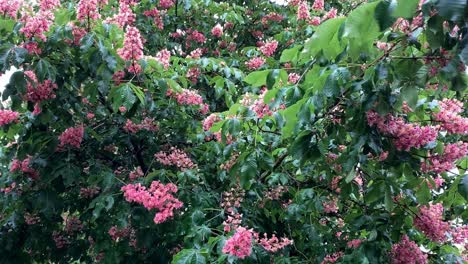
x=257 y=78
x=326 y=39
x=189 y=256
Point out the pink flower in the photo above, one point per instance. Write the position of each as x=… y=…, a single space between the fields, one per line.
x=449 y=116
x=318 y=5
x=255 y=63
x=7 y=117
x=383 y=45
x=10 y=7
x=175 y=157
x=124 y=17
x=209 y=121
x=147 y=124
x=407 y=252
x=383 y=156
x=315 y=21
x=430 y=222
x=71 y=137
x=330 y=206
x=269 y=48
x=90 y=115
x=189 y=97
x=332 y=258
x=157 y=15
x=405 y=135
x=355 y=243
x=38 y=92
x=122 y=109
x=446 y=161
x=240 y=244
x=45 y=5
x=259 y=107
x=158 y=196
x=303 y=11
x=274 y=244
x=331 y=14
x=135 y=174
x=117 y=78
x=293 y=78
x=217 y=31
x=132 y=49
x=164 y=56
x=32 y=47
x=166 y=4
x=24 y=166
x=36 y=26
x=87 y=10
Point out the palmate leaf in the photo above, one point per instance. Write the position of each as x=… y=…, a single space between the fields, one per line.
x=189 y=256
x=326 y=39
x=122 y=95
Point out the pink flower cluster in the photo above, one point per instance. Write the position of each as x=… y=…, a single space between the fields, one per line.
x=166 y=4
x=228 y=164
x=60 y=240
x=157 y=17
x=449 y=116
x=89 y=192
x=407 y=252
x=158 y=196
x=217 y=31
x=259 y=106
x=193 y=74
x=269 y=48
x=147 y=124
x=255 y=63
x=7 y=117
x=332 y=258
x=175 y=157
x=208 y=122
x=124 y=17
x=330 y=206
x=24 y=166
x=355 y=243
x=135 y=174
x=303 y=11
x=31 y=219
x=318 y=5
x=36 y=26
x=274 y=244
x=73 y=224
x=45 y=5
x=164 y=56
x=196 y=36
x=460 y=234
x=126 y=232
x=445 y=162
x=189 y=97
x=293 y=78
x=240 y=244
x=78 y=33
x=72 y=136
x=430 y=222
x=405 y=135
x=36 y=91
x=87 y=10
x=10 y=7
x=132 y=49
x=233 y=221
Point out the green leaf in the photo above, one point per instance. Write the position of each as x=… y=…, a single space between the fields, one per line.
x=18 y=82
x=404 y=8
x=463 y=187
x=290 y=55
x=189 y=256
x=325 y=38
x=139 y=93
x=257 y=78
x=248 y=170
x=409 y=94
x=361 y=29
x=122 y=96
x=455 y=10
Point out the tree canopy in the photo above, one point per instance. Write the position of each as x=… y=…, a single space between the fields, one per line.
x=203 y=131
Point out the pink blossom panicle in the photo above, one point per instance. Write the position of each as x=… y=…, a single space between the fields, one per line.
x=87 y=10
x=255 y=63
x=430 y=221
x=175 y=157
x=274 y=244
x=72 y=137
x=303 y=11
x=449 y=116
x=318 y=5
x=217 y=31
x=8 y=117
x=407 y=252
x=269 y=48
x=240 y=244
x=159 y=196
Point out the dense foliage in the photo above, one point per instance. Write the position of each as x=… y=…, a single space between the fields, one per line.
x=202 y=131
